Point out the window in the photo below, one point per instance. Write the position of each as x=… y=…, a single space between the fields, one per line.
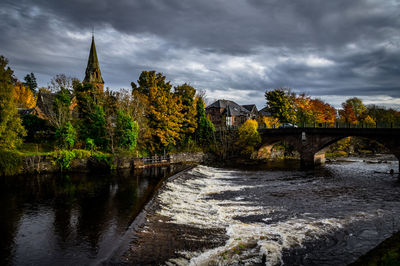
x=229 y=121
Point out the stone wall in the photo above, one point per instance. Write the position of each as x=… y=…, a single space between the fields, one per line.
x=187 y=157
x=41 y=164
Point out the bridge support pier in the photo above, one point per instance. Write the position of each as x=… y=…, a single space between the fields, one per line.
x=310 y=159
x=398 y=159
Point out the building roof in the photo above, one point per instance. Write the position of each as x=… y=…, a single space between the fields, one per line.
x=264 y=112
x=231 y=108
x=25 y=111
x=93 y=74
x=250 y=107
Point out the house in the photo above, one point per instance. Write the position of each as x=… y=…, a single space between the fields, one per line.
x=252 y=108
x=229 y=113
x=264 y=112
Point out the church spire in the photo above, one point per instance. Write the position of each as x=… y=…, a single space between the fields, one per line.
x=93 y=74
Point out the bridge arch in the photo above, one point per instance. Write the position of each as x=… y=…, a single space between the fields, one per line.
x=312 y=143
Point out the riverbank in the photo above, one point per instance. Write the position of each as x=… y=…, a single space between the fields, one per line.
x=228 y=216
x=386 y=253
x=84 y=161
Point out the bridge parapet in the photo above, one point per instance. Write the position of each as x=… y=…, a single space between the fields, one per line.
x=312 y=142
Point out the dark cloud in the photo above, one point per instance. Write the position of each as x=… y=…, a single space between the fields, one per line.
x=338 y=48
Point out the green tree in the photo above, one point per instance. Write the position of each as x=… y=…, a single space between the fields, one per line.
x=11 y=129
x=126 y=131
x=93 y=125
x=66 y=136
x=205 y=128
x=149 y=79
x=249 y=137
x=92 y=116
x=281 y=105
x=30 y=82
x=33 y=124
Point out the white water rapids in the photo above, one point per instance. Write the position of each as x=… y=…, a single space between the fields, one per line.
x=265 y=213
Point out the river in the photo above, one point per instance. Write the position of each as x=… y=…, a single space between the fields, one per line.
x=71 y=219
x=327 y=216
x=272 y=215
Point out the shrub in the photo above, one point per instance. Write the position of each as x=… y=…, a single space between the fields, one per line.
x=63 y=158
x=11 y=162
x=89 y=143
x=81 y=154
x=66 y=136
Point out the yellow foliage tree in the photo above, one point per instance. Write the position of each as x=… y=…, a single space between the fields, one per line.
x=165 y=118
x=369 y=121
x=23 y=96
x=271 y=122
x=186 y=98
x=248 y=137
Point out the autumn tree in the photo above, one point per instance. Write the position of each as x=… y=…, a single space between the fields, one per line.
x=164 y=112
x=304 y=112
x=354 y=111
x=281 y=105
x=23 y=96
x=30 y=82
x=165 y=119
x=270 y=122
x=249 y=137
x=322 y=112
x=310 y=110
x=11 y=129
x=186 y=98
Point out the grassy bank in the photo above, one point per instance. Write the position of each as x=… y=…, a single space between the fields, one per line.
x=11 y=162
x=386 y=253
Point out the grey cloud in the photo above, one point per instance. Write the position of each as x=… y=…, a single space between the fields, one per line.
x=356 y=42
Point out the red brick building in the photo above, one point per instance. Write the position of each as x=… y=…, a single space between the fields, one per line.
x=229 y=113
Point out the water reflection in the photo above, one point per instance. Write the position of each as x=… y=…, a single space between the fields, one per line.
x=70 y=219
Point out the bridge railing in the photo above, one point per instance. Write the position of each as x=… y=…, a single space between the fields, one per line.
x=339 y=125
x=155 y=159
x=323 y=125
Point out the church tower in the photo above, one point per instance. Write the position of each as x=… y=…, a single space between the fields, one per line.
x=93 y=74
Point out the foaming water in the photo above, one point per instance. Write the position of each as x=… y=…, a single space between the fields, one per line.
x=352 y=206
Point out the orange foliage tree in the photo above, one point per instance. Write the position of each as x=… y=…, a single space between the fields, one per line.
x=23 y=96
x=314 y=110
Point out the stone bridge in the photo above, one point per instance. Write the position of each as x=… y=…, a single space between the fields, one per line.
x=312 y=143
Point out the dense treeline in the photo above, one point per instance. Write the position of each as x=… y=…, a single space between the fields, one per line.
x=153 y=117
x=287 y=107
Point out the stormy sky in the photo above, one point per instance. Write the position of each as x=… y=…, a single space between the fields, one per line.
x=234 y=49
